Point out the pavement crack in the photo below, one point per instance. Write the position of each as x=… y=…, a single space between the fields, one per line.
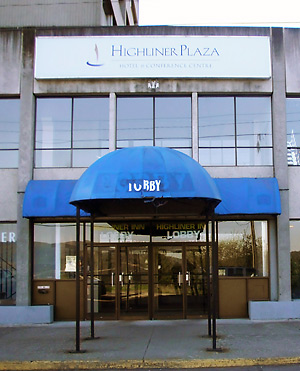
x=148 y=344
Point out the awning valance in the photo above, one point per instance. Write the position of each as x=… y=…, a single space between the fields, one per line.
x=240 y=196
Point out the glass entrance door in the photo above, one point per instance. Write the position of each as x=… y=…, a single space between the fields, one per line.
x=142 y=282
x=104 y=282
x=133 y=282
x=168 y=282
x=196 y=281
x=180 y=283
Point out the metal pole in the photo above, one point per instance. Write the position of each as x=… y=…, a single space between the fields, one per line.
x=92 y=280
x=77 y=279
x=215 y=283
x=208 y=278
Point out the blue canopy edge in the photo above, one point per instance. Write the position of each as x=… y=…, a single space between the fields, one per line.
x=240 y=196
x=49 y=198
x=248 y=196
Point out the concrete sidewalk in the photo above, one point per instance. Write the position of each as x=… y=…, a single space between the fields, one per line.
x=149 y=344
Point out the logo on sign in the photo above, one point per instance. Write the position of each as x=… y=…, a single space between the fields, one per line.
x=144 y=185
x=96 y=61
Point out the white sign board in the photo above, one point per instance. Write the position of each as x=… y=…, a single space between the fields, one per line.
x=152 y=57
x=70 y=263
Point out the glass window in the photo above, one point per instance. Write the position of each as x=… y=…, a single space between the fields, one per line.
x=173 y=122
x=254 y=130
x=243 y=248
x=159 y=121
x=134 y=122
x=217 y=156
x=295 y=257
x=53 y=123
x=253 y=118
x=8 y=239
x=293 y=130
x=216 y=122
x=71 y=131
x=54 y=251
x=9 y=129
x=90 y=123
x=241 y=124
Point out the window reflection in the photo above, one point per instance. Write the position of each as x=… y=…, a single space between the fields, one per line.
x=134 y=122
x=9 y=132
x=293 y=130
x=71 y=131
x=253 y=116
x=53 y=123
x=8 y=239
x=216 y=122
x=242 y=124
x=173 y=122
x=295 y=257
x=159 y=121
x=90 y=123
x=243 y=248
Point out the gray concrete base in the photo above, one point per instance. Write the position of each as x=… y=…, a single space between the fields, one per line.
x=274 y=310
x=10 y=315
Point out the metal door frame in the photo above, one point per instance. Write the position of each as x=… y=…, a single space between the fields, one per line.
x=151 y=251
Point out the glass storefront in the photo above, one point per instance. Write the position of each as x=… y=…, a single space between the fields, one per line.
x=295 y=257
x=8 y=239
x=243 y=248
x=148 y=269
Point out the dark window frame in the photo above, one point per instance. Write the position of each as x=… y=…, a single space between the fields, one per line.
x=72 y=147
x=236 y=147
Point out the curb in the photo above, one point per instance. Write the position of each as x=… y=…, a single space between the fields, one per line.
x=134 y=364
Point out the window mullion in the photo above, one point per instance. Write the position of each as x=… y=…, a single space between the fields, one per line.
x=153 y=119
x=72 y=134
x=235 y=131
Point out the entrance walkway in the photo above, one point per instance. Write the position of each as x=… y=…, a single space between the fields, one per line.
x=149 y=344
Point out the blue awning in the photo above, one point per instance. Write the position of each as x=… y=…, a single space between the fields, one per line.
x=143 y=172
x=240 y=196
x=248 y=196
x=146 y=180
x=49 y=199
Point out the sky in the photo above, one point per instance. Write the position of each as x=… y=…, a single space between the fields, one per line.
x=220 y=12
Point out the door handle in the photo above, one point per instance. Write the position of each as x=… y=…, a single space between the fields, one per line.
x=121 y=279
x=112 y=279
x=179 y=279
x=188 y=278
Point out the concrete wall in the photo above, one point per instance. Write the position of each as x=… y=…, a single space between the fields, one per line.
x=25 y=13
x=55 y=13
x=292 y=57
x=10 y=62
x=8 y=194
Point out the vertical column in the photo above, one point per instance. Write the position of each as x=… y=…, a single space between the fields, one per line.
x=57 y=252
x=195 y=135
x=25 y=172
x=280 y=163
x=112 y=121
x=273 y=260
x=265 y=250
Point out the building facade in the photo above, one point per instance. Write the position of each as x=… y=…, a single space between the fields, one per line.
x=226 y=97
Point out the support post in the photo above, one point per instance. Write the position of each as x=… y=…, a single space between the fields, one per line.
x=208 y=279
x=214 y=284
x=77 y=279
x=92 y=280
